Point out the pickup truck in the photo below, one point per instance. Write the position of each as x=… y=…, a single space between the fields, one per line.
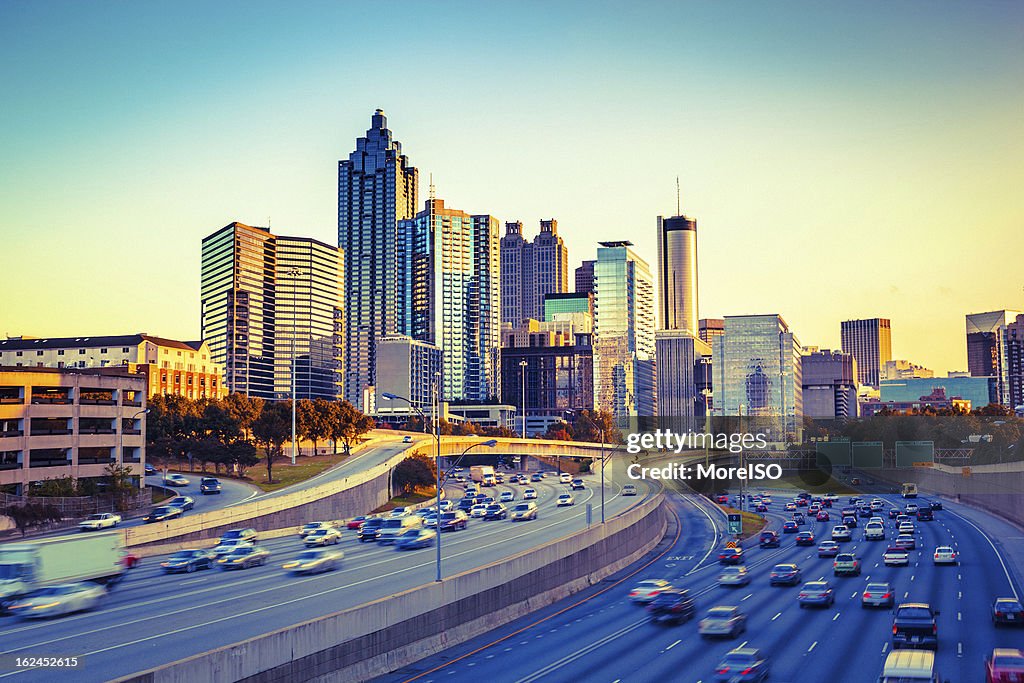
x=895 y=556
x=874 y=532
x=913 y=625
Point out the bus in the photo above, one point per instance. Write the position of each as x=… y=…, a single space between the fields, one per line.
x=909 y=490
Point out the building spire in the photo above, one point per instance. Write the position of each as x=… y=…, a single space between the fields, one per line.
x=432 y=193
x=678 y=203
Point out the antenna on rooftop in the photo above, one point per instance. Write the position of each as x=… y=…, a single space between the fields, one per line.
x=432 y=196
x=678 y=210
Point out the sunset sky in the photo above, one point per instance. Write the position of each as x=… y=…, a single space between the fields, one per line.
x=842 y=160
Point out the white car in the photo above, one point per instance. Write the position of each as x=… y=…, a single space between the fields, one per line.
x=103 y=520
x=229 y=545
x=734 y=576
x=565 y=478
x=61 y=599
x=895 y=557
x=322 y=537
x=565 y=499
x=399 y=512
x=530 y=494
x=944 y=555
x=840 y=533
x=906 y=528
x=176 y=480
x=507 y=496
x=647 y=590
x=629 y=490
x=911 y=508
x=309 y=528
x=478 y=511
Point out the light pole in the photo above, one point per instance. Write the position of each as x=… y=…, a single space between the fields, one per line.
x=294 y=273
x=120 y=444
x=491 y=443
x=522 y=365
x=601 y=430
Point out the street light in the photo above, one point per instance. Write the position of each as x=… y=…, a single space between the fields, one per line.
x=120 y=444
x=522 y=365
x=294 y=274
x=601 y=430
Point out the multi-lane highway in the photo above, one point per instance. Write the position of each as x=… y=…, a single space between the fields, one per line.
x=601 y=636
x=152 y=618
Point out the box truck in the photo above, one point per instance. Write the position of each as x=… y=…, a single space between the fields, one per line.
x=483 y=475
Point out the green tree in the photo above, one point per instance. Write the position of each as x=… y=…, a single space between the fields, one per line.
x=244 y=409
x=272 y=429
x=120 y=484
x=349 y=425
x=241 y=455
x=314 y=418
x=414 y=472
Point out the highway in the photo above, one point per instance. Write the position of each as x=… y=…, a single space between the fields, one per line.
x=152 y=618
x=600 y=636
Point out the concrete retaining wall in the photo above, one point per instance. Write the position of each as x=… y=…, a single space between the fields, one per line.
x=372 y=639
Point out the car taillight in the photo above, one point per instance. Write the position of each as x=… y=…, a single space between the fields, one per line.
x=632 y=593
x=935 y=629
x=724 y=670
x=998 y=613
x=894 y=629
x=654 y=592
x=887 y=595
x=747 y=670
x=867 y=595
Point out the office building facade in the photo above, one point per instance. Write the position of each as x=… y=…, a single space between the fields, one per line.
x=986 y=349
x=530 y=270
x=829 y=381
x=624 y=349
x=978 y=391
x=1013 y=362
x=870 y=343
x=677 y=273
x=407 y=368
x=584 y=277
x=682 y=364
x=904 y=369
x=377 y=187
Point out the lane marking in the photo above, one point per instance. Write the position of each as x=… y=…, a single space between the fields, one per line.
x=672 y=645
x=777 y=616
x=813 y=645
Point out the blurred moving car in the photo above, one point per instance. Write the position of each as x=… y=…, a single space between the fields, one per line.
x=877 y=595
x=103 y=520
x=368 y=529
x=322 y=537
x=784 y=575
x=524 y=511
x=629 y=490
x=63 y=598
x=162 y=514
x=1007 y=612
x=768 y=539
x=314 y=561
x=905 y=541
x=734 y=576
x=310 y=527
x=565 y=478
x=730 y=555
x=671 y=606
x=742 y=665
x=507 y=496
x=229 y=546
x=411 y=539
x=209 y=485
x=565 y=499
x=149 y=469
x=239 y=534
x=176 y=480
x=840 y=533
x=454 y=520
x=790 y=527
x=816 y=593
x=530 y=494
x=805 y=538
x=828 y=549
x=722 y=620
x=1004 y=665
x=243 y=557
x=186 y=503
x=645 y=591
x=577 y=485
x=188 y=561
x=495 y=511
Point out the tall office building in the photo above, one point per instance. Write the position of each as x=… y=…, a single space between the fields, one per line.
x=266 y=299
x=677 y=273
x=757 y=373
x=624 y=372
x=585 y=278
x=870 y=343
x=682 y=404
x=529 y=270
x=1013 y=361
x=578 y=308
x=829 y=381
x=377 y=187
x=407 y=368
x=986 y=352
x=709 y=328
x=449 y=264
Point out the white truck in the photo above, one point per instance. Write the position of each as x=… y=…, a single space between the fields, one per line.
x=483 y=475
x=25 y=567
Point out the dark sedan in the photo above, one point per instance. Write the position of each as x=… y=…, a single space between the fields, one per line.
x=784 y=575
x=162 y=514
x=184 y=502
x=730 y=556
x=805 y=538
x=244 y=557
x=790 y=528
x=1007 y=612
x=743 y=665
x=188 y=561
x=495 y=511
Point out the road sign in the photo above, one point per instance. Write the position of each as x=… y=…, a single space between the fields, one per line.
x=735 y=523
x=730 y=544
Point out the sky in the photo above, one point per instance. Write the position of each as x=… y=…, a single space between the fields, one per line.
x=842 y=160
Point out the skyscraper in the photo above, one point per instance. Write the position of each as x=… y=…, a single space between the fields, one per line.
x=870 y=343
x=757 y=372
x=680 y=400
x=1013 y=361
x=624 y=373
x=266 y=298
x=709 y=328
x=529 y=270
x=986 y=352
x=829 y=381
x=449 y=269
x=585 y=278
x=377 y=187
x=677 y=273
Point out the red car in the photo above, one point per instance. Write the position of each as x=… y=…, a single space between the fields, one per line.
x=822 y=516
x=722 y=498
x=1006 y=665
x=356 y=522
x=129 y=559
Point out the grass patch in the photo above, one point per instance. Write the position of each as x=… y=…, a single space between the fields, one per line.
x=406 y=499
x=286 y=474
x=160 y=495
x=752 y=522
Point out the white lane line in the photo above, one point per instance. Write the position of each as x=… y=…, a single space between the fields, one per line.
x=777 y=616
x=749 y=596
x=743 y=644
x=836 y=616
x=854 y=594
x=959 y=649
x=583 y=651
x=672 y=645
x=885 y=646
x=813 y=645
x=999 y=556
x=959 y=616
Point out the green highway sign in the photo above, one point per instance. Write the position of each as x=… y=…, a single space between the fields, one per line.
x=735 y=524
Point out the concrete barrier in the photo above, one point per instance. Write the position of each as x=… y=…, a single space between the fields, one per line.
x=369 y=640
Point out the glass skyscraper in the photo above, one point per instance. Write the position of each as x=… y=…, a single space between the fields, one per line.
x=986 y=350
x=449 y=269
x=870 y=343
x=677 y=273
x=624 y=377
x=377 y=187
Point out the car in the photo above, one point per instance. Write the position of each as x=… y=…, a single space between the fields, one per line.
x=722 y=498
x=188 y=561
x=805 y=538
x=209 y=485
x=902 y=519
x=495 y=511
x=399 y=512
x=896 y=557
x=876 y=504
x=828 y=549
x=355 y=522
x=935 y=505
x=536 y=476
x=446 y=506
x=1005 y=665
x=877 y=595
x=816 y=593
x=905 y=541
x=848 y=512
x=369 y=528
x=722 y=620
x=426 y=512
x=478 y=511
x=734 y=576
x=894 y=513
x=766 y=499
x=162 y=514
x=322 y=537
x=761 y=507
x=411 y=539
x=406 y=439
x=823 y=516
x=645 y=591
x=742 y=665
x=840 y=533
x=925 y=515
x=876 y=520
x=671 y=606
x=945 y=554
x=228 y=546
x=454 y=520
x=906 y=528
x=314 y=561
x=629 y=490
x=790 y=527
x=850 y=522
x=853 y=500
x=184 y=502
x=1007 y=612
x=769 y=539
x=846 y=564
x=864 y=511
x=507 y=496
x=102 y=520
x=243 y=557
x=911 y=508
x=565 y=478
x=799 y=518
x=814 y=509
x=530 y=494
x=239 y=534
x=790 y=507
x=524 y=511
x=466 y=504
x=730 y=555
x=176 y=480
x=64 y=598
x=577 y=485
x=874 y=531
x=565 y=499
x=149 y=469
x=471 y=491
x=830 y=497
x=784 y=575
x=914 y=625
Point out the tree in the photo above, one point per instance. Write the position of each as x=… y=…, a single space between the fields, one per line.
x=414 y=472
x=271 y=429
x=314 y=418
x=349 y=424
x=120 y=484
x=241 y=455
x=244 y=409
x=31 y=514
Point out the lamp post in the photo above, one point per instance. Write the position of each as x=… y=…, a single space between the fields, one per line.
x=294 y=273
x=522 y=365
x=120 y=444
x=601 y=430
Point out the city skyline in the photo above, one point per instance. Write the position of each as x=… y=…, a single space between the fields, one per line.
x=147 y=165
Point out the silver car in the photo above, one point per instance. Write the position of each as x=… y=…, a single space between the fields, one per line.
x=723 y=620
x=877 y=595
x=61 y=599
x=734 y=576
